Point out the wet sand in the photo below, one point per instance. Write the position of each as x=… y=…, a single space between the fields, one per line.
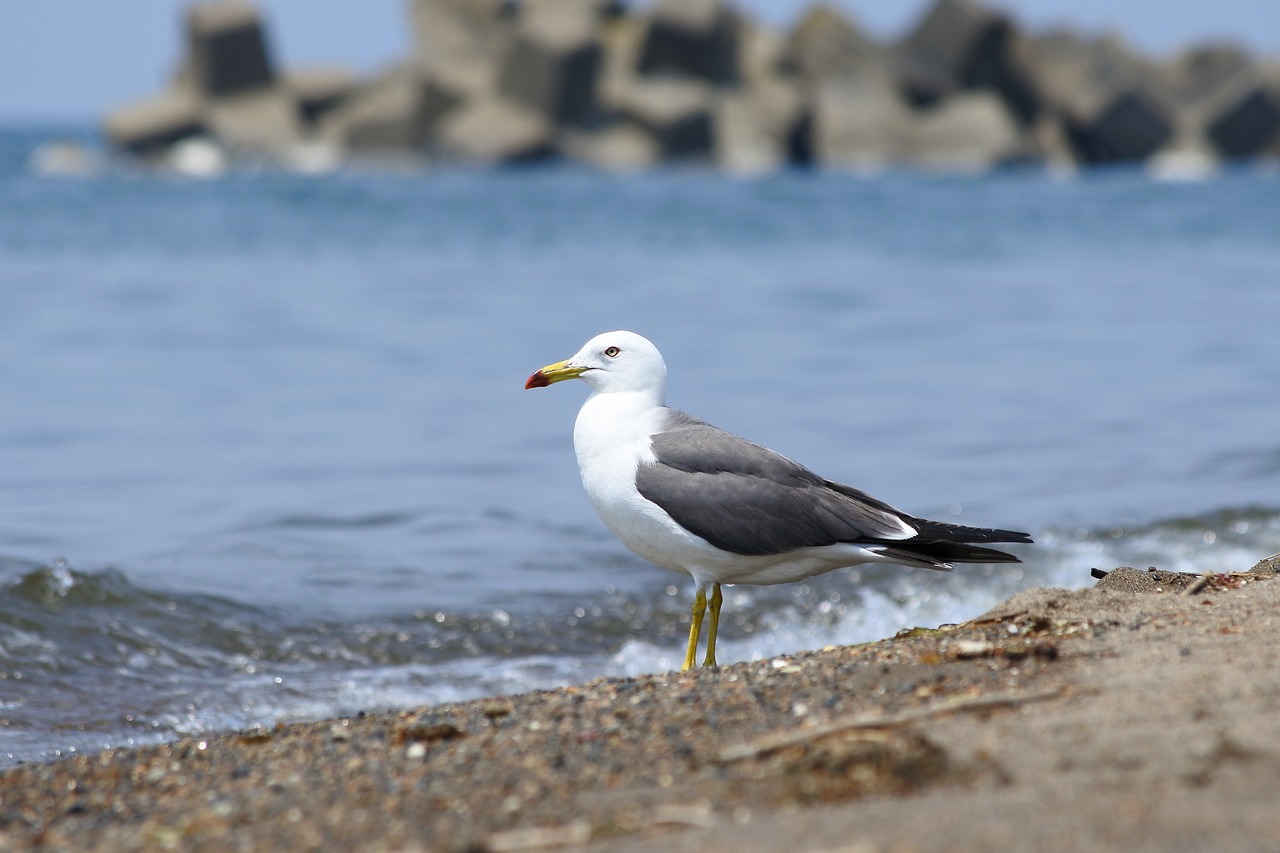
x=1141 y=714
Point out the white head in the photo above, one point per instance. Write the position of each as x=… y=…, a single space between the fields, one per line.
x=611 y=362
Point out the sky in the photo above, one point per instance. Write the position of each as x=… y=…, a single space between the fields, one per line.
x=72 y=60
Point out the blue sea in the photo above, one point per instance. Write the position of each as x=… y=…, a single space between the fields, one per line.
x=265 y=452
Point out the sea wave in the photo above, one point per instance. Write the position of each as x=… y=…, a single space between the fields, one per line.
x=90 y=659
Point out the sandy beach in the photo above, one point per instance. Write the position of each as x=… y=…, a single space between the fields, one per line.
x=1140 y=714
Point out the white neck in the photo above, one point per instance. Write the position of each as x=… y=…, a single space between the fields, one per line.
x=611 y=420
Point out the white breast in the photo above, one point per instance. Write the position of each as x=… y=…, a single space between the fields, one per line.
x=611 y=438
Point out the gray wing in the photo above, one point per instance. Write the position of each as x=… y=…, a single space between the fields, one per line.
x=748 y=500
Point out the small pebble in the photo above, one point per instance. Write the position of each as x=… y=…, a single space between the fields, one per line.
x=973 y=648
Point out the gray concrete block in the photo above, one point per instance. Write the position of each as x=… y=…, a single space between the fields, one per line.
x=1200 y=72
x=495 y=131
x=1079 y=75
x=400 y=111
x=1129 y=128
x=227 y=49
x=597 y=11
x=676 y=113
x=857 y=127
x=617 y=147
x=260 y=122
x=760 y=53
x=868 y=128
x=554 y=64
x=1118 y=105
x=959 y=44
x=971 y=132
x=146 y=128
x=620 y=41
x=444 y=90
x=693 y=38
x=319 y=89
x=1049 y=143
x=1248 y=124
x=451 y=31
x=760 y=128
x=381 y=118
x=826 y=45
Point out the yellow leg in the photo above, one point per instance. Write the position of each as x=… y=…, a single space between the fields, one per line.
x=699 y=608
x=716 y=598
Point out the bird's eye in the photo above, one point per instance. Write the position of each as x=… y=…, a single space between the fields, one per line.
x=612 y=352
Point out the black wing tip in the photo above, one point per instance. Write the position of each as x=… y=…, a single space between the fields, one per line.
x=961 y=533
x=940 y=555
x=974 y=554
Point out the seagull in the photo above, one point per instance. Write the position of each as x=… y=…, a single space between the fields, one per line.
x=692 y=498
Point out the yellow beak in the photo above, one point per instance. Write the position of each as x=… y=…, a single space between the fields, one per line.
x=557 y=372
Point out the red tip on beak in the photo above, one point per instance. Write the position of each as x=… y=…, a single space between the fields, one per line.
x=537 y=380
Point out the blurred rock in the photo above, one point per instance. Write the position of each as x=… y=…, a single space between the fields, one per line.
x=459 y=49
x=824 y=45
x=1118 y=106
x=626 y=85
x=970 y=132
x=226 y=49
x=857 y=127
x=761 y=128
x=760 y=52
x=618 y=147
x=147 y=128
x=319 y=89
x=1202 y=71
x=495 y=131
x=265 y=122
x=1049 y=142
x=227 y=88
x=554 y=64
x=597 y=11
x=1244 y=118
x=1129 y=128
x=693 y=38
x=959 y=44
x=620 y=41
x=676 y=113
x=868 y=128
x=1079 y=74
x=460 y=31
x=400 y=111
x=384 y=116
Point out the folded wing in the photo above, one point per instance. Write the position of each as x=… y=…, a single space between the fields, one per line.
x=749 y=500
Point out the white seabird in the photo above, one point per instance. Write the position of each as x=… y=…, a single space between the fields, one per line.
x=693 y=498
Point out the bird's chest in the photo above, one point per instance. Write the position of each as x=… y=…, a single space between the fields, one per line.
x=608 y=469
x=610 y=442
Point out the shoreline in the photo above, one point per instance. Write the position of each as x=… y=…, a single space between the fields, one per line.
x=1130 y=714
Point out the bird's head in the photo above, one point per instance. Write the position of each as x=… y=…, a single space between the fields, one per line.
x=613 y=361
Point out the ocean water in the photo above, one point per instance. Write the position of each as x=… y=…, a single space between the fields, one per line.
x=265 y=454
